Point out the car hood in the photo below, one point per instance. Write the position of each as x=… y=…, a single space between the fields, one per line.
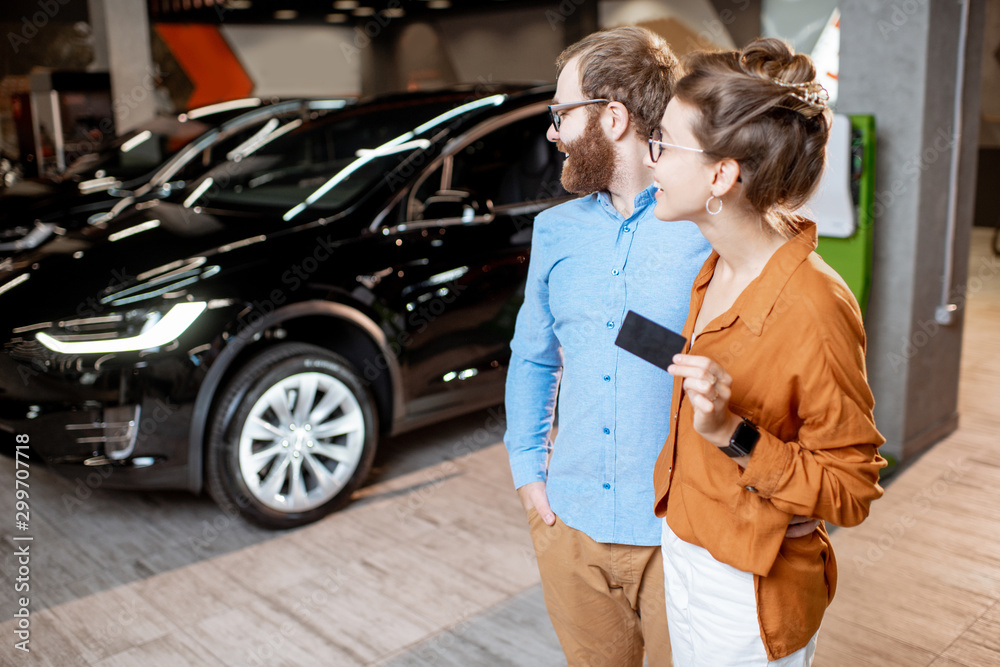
x=162 y=252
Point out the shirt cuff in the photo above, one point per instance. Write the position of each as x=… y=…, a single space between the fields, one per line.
x=768 y=462
x=527 y=470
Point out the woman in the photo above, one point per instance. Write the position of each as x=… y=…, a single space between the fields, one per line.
x=773 y=433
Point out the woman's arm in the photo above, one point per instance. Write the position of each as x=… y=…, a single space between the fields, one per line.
x=830 y=471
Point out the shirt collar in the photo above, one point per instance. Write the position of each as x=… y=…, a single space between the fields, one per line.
x=646 y=197
x=642 y=200
x=757 y=301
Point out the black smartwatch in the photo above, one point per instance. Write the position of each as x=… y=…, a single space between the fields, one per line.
x=743 y=441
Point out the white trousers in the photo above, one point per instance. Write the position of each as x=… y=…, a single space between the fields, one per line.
x=712 y=611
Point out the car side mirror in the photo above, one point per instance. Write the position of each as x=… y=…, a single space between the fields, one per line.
x=457 y=205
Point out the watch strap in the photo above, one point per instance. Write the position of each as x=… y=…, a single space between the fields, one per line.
x=743 y=440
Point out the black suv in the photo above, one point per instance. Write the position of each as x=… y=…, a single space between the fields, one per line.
x=254 y=330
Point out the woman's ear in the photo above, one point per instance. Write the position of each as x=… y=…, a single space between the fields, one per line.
x=727 y=175
x=619 y=120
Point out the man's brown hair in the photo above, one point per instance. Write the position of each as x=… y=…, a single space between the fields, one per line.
x=629 y=65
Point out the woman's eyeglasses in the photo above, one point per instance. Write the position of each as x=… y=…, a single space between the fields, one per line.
x=656 y=145
x=555 y=109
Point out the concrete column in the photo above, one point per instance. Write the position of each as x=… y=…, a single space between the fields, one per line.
x=121 y=45
x=898 y=61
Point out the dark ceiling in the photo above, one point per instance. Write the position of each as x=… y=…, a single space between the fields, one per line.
x=333 y=12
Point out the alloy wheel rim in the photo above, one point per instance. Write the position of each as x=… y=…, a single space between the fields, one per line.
x=301 y=442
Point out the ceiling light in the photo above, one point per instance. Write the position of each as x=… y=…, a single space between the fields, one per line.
x=346 y=4
x=286 y=14
x=394 y=12
x=336 y=18
x=439 y=4
x=141 y=227
x=364 y=11
x=135 y=141
x=207 y=110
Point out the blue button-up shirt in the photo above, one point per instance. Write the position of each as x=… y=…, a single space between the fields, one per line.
x=589 y=267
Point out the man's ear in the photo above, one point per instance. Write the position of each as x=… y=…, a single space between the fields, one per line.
x=619 y=122
x=727 y=176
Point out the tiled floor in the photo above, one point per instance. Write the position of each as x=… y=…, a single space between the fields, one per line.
x=433 y=566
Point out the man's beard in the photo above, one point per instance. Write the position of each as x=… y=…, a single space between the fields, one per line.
x=591 y=163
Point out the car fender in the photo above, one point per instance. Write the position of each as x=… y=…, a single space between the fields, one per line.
x=214 y=378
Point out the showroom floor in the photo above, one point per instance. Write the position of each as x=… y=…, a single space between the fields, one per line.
x=432 y=564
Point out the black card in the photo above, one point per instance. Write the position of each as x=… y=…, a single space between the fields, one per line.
x=648 y=340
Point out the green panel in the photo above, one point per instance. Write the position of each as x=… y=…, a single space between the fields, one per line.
x=852 y=257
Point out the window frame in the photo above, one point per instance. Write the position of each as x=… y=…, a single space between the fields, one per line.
x=445 y=160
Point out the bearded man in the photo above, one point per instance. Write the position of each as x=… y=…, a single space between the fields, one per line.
x=590 y=504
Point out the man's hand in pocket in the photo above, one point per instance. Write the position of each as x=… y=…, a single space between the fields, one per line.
x=533 y=495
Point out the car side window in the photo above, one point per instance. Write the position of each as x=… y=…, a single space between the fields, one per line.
x=513 y=164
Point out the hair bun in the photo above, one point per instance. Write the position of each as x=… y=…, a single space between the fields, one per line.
x=771 y=58
x=774 y=61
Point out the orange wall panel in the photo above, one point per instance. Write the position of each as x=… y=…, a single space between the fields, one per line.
x=214 y=70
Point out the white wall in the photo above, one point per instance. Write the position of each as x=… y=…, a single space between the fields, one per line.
x=513 y=45
x=290 y=61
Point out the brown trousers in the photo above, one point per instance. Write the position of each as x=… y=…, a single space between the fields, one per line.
x=606 y=601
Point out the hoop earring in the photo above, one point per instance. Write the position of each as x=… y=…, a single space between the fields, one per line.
x=708 y=208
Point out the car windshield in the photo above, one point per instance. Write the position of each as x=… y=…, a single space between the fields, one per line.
x=326 y=164
x=139 y=152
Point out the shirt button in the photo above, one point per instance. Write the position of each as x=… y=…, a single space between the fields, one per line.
x=611 y=325
x=607 y=378
x=607 y=486
x=614 y=271
x=607 y=431
x=628 y=229
x=751 y=489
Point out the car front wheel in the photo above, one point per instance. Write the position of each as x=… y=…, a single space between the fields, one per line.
x=300 y=440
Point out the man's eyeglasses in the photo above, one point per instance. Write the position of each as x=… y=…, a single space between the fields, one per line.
x=555 y=109
x=656 y=146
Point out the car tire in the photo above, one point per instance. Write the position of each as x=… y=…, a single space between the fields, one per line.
x=282 y=462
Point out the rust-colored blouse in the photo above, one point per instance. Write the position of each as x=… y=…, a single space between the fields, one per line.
x=794 y=344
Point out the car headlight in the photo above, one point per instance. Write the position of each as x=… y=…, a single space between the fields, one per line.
x=153 y=331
